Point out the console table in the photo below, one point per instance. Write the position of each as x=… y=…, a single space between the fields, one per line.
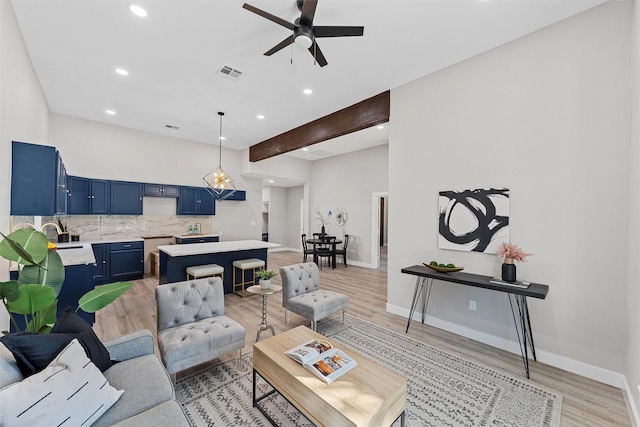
x=517 y=299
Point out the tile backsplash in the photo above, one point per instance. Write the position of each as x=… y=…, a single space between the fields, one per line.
x=97 y=227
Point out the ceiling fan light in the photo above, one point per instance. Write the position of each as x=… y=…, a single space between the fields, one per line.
x=303 y=41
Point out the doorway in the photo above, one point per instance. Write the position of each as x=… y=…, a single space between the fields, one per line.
x=379 y=229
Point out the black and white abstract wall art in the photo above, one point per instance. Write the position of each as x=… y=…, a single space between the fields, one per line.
x=473 y=220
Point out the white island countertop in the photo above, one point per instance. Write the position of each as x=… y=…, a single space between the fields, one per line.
x=215 y=247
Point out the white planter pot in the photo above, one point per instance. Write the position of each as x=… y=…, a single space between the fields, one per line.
x=265 y=284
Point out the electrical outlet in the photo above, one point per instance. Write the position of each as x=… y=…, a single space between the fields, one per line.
x=472 y=305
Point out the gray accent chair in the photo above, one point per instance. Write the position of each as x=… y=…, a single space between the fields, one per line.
x=301 y=294
x=192 y=327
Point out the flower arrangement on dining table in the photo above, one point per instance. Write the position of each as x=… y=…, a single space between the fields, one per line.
x=512 y=252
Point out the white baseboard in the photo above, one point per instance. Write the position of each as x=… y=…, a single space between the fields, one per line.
x=632 y=409
x=593 y=372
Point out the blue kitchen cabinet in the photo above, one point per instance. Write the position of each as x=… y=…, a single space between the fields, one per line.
x=78 y=281
x=117 y=262
x=101 y=267
x=88 y=196
x=161 y=190
x=61 y=186
x=126 y=198
x=237 y=195
x=196 y=201
x=126 y=261
x=33 y=179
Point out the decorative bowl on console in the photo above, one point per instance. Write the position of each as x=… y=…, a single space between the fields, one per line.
x=444 y=269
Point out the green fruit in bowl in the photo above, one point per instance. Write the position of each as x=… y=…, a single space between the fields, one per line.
x=451 y=265
x=434 y=263
x=441 y=265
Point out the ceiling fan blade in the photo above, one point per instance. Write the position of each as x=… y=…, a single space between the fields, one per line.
x=284 y=43
x=331 y=31
x=269 y=16
x=317 y=54
x=308 y=12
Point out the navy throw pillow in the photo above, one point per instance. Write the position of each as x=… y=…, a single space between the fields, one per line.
x=33 y=352
x=75 y=326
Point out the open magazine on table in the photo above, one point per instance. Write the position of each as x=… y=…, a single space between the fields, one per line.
x=322 y=359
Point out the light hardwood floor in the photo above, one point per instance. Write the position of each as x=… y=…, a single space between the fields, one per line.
x=586 y=402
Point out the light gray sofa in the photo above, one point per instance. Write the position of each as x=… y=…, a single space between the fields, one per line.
x=148 y=397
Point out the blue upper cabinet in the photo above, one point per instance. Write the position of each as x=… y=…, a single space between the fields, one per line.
x=238 y=195
x=196 y=201
x=161 y=190
x=88 y=196
x=33 y=179
x=126 y=198
x=61 y=186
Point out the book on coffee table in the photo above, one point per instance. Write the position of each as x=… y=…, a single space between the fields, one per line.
x=323 y=360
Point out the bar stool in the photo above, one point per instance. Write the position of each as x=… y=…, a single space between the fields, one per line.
x=243 y=265
x=199 y=271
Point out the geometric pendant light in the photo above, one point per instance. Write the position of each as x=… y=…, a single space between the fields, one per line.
x=218 y=182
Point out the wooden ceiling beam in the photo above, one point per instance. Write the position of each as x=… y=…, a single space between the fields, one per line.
x=364 y=114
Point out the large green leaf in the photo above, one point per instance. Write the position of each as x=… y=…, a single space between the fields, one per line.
x=41 y=321
x=49 y=273
x=24 y=246
x=9 y=290
x=32 y=298
x=102 y=296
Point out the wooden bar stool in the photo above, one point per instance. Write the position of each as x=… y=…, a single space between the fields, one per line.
x=207 y=270
x=243 y=265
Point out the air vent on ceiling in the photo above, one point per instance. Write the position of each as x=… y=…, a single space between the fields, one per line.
x=229 y=72
x=172 y=127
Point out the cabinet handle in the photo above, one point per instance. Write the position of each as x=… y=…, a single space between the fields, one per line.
x=93 y=197
x=127 y=246
x=104 y=262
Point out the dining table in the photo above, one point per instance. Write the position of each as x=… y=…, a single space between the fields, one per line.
x=325 y=240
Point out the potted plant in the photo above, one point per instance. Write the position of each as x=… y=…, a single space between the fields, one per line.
x=510 y=253
x=40 y=279
x=265 y=277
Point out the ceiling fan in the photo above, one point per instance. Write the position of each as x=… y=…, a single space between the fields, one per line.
x=304 y=32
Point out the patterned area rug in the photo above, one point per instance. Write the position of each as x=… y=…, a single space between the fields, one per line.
x=443 y=390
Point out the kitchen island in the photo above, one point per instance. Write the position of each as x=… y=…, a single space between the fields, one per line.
x=174 y=259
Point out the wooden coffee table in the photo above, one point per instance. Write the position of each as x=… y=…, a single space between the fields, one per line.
x=368 y=395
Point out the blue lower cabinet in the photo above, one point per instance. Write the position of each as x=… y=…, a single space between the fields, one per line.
x=116 y=262
x=78 y=280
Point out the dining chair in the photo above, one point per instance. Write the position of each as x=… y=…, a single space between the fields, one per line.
x=305 y=248
x=325 y=250
x=343 y=251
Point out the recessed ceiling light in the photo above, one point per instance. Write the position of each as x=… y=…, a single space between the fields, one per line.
x=111 y=112
x=222 y=138
x=380 y=127
x=260 y=116
x=305 y=149
x=307 y=91
x=122 y=71
x=271 y=180
x=138 y=10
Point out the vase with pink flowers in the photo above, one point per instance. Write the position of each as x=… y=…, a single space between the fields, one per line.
x=510 y=253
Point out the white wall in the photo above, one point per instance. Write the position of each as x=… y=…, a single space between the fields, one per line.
x=548 y=116
x=632 y=367
x=24 y=114
x=349 y=181
x=97 y=150
x=292 y=237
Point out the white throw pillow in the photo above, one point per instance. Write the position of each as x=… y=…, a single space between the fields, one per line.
x=70 y=391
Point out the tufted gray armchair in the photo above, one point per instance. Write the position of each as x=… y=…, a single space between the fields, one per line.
x=192 y=327
x=301 y=294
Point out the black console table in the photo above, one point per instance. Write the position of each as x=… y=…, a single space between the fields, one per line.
x=517 y=299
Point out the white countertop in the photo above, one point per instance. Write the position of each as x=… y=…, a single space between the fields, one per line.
x=215 y=247
x=75 y=253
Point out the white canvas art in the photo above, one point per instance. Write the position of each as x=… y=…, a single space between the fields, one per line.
x=473 y=220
